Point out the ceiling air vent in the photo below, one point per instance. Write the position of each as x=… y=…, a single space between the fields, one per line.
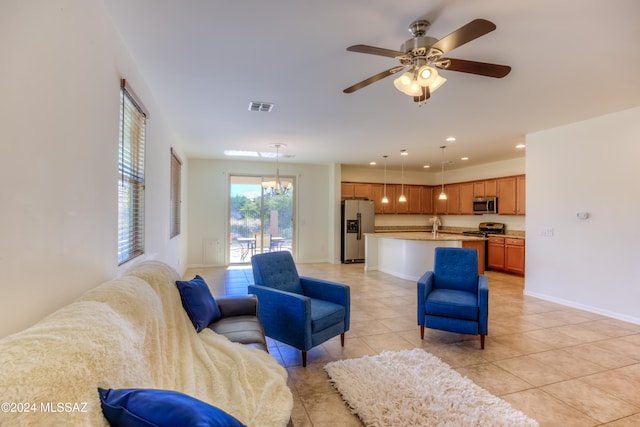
x=260 y=106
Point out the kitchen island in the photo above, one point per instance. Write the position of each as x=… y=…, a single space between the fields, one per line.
x=409 y=255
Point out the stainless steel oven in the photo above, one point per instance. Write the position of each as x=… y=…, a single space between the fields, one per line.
x=484 y=230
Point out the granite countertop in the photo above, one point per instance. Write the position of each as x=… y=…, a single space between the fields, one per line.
x=426 y=235
x=512 y=234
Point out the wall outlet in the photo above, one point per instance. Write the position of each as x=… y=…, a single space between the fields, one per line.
x=545 y=231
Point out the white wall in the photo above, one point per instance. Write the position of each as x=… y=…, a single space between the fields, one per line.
x=591 y=166
x=60 y=79
x=208 y=193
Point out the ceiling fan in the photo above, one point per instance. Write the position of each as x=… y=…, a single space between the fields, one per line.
x=421 y=55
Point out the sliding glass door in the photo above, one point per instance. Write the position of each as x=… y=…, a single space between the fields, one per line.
x=260 y=216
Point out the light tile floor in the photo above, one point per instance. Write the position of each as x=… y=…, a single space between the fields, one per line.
x=559 y=365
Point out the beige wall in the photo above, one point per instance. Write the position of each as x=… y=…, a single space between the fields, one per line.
x=590 y=166
x=208 y=193
x=60 y=79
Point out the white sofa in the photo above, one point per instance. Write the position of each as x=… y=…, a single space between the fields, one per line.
x=132 y=332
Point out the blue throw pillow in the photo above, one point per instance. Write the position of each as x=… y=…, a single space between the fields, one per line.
x=198 y=302
x=160 y=408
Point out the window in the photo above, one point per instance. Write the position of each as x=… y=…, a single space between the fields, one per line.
x=133 y=119
x=176 y=170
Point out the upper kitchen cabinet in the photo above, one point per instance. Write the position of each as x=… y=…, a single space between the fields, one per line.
x=512 y=195
x=427 y=199
x=449 y=206
x=478 y=189
x=465 y=198
x=486 y=188
x=377 y=193
x=355 y=190
x=521 y=195
x=413 y=205
x=491 y=188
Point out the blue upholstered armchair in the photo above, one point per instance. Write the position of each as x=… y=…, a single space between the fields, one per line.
x=299 y=311
x=453 y=297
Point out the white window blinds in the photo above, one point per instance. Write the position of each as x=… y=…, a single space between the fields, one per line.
x=131 y=176
x=176 y=171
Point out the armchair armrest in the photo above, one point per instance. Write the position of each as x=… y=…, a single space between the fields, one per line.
x=425 y=286
x=286 y=316
x=238 y=306
x=337 y=293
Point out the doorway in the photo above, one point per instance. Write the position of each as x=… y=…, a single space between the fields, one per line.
x=260 y=216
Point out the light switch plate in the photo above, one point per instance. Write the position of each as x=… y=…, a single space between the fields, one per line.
x=545 y=231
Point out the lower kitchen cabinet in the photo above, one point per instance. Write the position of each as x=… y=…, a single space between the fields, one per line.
x=495 y=258
x=506 y=254
x=514 y=255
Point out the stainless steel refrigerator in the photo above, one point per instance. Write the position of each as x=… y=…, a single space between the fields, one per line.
x=357 y=218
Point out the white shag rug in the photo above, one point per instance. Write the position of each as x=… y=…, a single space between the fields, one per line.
x=415 y=388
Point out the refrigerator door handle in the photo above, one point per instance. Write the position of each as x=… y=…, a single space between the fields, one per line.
x=359 y=218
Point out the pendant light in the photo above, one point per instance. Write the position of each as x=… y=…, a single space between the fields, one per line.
x=443 y=195
x=402 y=198
x=277 y=187
x=384 y=197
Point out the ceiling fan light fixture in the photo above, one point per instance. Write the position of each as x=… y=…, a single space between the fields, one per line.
x=403 y=82
x=414 y=89
x=427 y=75
x=439 y=81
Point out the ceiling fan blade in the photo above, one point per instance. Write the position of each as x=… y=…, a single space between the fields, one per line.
x=474 y=67
x=373 y=79
x=426 y=94
x=464 y=34
x=362 y=48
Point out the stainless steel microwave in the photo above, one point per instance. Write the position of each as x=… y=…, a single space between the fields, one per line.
x=485 y=205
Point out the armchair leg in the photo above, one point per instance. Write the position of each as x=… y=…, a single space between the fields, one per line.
x=421 y=332
x=482 y=342
x=304 y=359
x=342 y=339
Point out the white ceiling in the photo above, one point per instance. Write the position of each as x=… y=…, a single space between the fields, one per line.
x=205 y=60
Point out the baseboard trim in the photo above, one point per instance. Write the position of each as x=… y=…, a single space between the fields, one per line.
x=573 y=304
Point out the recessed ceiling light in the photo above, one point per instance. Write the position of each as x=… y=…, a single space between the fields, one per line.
x=520 y=146
x=372 y=163
x=464 y=158
x=450 y=139
x=426 y=166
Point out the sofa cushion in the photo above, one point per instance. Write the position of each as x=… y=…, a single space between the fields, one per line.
x=148 y=407
x=245 y=330
x=198 y=302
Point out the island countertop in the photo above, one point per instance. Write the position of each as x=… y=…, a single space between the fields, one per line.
x=426 y=235
x=409 y=254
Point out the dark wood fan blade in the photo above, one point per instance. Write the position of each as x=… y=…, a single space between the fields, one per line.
x=464 y=34
x=426 y=94
x=474 y=67
x=373 y=79
x=362 y=48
